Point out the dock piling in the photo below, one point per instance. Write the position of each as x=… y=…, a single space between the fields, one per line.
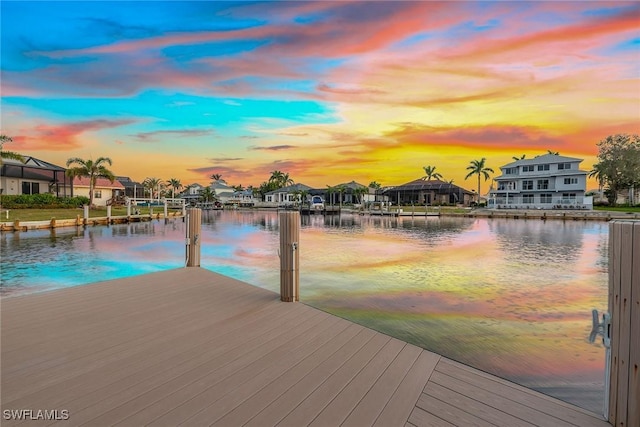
x=194 y=225
x=289 y=256
x=624 y=309
x=85 y=214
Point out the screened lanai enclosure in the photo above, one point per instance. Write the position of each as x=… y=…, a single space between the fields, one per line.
x=432 y=192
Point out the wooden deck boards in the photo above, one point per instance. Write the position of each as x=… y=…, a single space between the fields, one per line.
x=192 y=347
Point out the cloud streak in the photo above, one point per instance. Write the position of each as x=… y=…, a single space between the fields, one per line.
x=367 y=89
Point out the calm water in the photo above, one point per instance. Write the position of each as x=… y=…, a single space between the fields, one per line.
x=509 y=297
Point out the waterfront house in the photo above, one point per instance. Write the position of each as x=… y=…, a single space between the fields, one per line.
x=220 y=186
x=549 y=181
x=191 y=193
x=132 y=188
x=34 y=176
x=244 y=198
x=352 y=193
x=431 y=192
x=286 y=195
x=103 y=190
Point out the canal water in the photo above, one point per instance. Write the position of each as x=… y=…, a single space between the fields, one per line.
x=510 y=297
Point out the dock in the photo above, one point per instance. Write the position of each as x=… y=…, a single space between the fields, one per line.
x=327 y=210
x=189 y=346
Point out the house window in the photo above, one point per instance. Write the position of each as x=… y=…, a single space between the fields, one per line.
x=97 y=194
x=569 y=181
x=564 y=166
x=509 y=185
x=545 y=198
x=30 y=187
x=527 y=168
x=510 y=171
x=527 y=185
x=543 y=167
x=543 y=184
x=527 y=198
x=569 y=196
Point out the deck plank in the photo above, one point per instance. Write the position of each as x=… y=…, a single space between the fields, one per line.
x=403 y=401
x=363 y=344
x=479 y=409
x=194 y=347
x=348 y=398
x=421 y=418
x=447 y=412
x=369 y=408
x=541 y=403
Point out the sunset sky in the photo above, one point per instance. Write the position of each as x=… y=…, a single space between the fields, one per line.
x=328 y=92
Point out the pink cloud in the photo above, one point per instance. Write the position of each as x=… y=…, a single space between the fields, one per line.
x=61 y=137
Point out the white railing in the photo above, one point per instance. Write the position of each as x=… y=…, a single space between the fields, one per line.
x=556 y=202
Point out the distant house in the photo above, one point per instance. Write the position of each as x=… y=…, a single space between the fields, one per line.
x=353 y=193
x=432 y=192
x=132 y=188
x=242 y=198
x=549 y=181
x=191 y=192
x=103 y=191
x=286 y=195
x=34 y=176
x=220 y=186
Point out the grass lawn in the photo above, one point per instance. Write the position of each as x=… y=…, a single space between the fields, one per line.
x=617 y=208
x=47 y=214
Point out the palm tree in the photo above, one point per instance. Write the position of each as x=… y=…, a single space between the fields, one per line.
x=599 y=174
x=303 y=196
x=477 y=167
x=216 y=177
x=238 y=187
x=555 y=153
x=175 y=185
x=8 y=154
x=359 y=192
x=375 y=184
x=152 y=184
x=431 y=173
x=91 y=169
x=207 y=195
x=516 y=158
x=330 y=191
x=341 y=189
x=280 y=179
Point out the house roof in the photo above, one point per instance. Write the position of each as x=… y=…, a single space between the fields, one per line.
x=127 y=182
x=352 y=185
x=32 y=162
x=220 y=185
x=291 y=189
x=544 y=159
x=83 y=181
x=431 y=185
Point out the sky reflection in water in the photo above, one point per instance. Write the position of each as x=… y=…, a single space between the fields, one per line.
x=510 y=297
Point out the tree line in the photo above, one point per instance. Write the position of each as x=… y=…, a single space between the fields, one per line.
x=618 y=168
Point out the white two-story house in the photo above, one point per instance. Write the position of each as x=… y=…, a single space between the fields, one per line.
x=544 y=182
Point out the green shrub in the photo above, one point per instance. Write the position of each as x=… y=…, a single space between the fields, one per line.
x=42 y=201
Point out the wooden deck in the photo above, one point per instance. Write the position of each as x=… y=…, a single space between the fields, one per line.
x=192 y=347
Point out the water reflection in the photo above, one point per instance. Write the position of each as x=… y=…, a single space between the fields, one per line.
x=509 y=297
